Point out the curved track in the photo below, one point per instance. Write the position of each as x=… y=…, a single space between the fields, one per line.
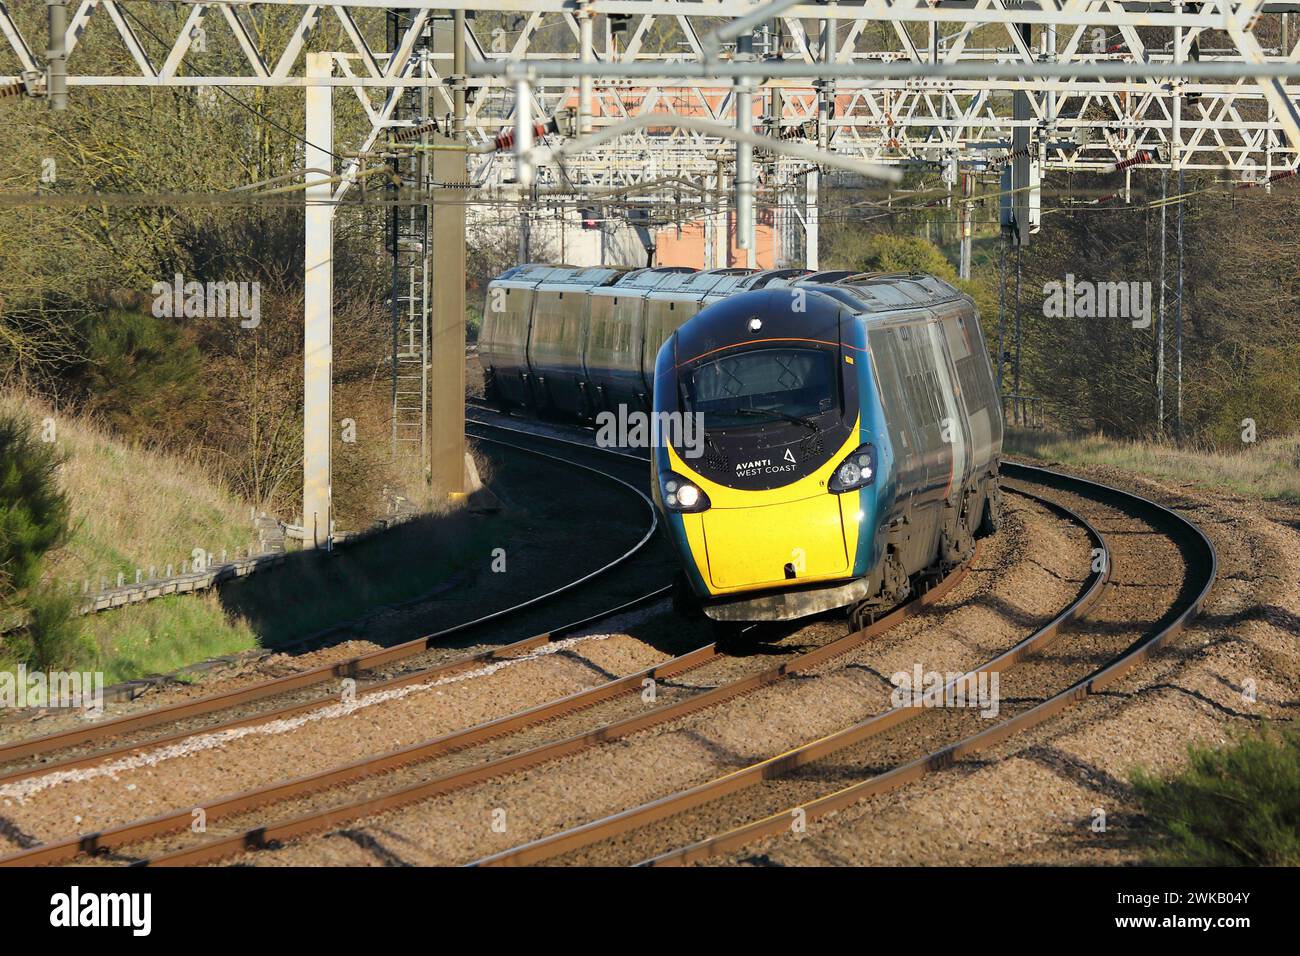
x=36 y=756
x=264 y=834
x=628 y=836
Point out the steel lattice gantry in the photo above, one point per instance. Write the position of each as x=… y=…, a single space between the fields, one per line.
x=1233 y=122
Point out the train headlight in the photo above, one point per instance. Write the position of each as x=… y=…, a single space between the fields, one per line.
x=856 y=471
x=679 y=494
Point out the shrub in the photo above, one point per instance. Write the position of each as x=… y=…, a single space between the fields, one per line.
x=883 y=252
x=33 y=511
x=1234 y=806
x=54 y=638
x=143 y=376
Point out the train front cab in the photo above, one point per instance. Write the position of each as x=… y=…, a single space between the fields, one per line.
x=795 y=469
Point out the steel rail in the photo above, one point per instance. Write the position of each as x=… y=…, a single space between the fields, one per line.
x=351 y=667
x=615 y=824
x=263 y=836
x=1203 y=555
x=948 y=756
x=67 y=850
x=270 y=835
x=480 y=406
x=284 y=713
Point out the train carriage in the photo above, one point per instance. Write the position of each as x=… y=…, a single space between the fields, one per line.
x=557 y=339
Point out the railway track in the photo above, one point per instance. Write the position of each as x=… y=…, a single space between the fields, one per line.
x=253 y=823
x=293 y=695
x=769 y=797
x=263 y=835
x=261 y=832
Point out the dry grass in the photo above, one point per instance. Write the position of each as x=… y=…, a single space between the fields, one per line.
x=1269 y=469
x=132 y=507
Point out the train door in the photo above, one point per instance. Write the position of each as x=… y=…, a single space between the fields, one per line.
x=507 y=320
x=663 y=317
x=885 y=364
x=924 y=398
x=975 y=385
x=555 y=347
x=953 y=427
x=613 y=352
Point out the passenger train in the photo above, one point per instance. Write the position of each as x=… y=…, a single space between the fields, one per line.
x=851 y=432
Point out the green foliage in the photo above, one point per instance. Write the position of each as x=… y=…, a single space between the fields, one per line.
x=1268 y=469
x=1239 y=326
x=33 y=511
x=54 y=638
x=158 y=637
x=141 y=374
x=1235 y=806
x=886 y=252
x=857 y=248
x=473 y=321
x=1262 y=385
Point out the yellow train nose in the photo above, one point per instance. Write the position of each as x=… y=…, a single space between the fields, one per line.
x=772 y=544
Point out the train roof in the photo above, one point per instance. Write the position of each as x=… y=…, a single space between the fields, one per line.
x=695 y=285
x=728 y=283
x=650 y=278
x=761 y=280
x=883 y=291
x=565 y=279
x=861 y=291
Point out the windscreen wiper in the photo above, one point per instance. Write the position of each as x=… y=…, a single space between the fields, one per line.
x=804 y=420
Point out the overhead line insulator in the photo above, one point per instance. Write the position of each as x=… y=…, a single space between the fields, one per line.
x=506 y=138
x=413 y=132
x=1285 y=174
x=1013 y=154
x=1143 y=156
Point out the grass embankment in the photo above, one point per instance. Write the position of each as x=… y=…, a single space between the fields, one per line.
x=1234 y=806
x=133 y=507
x=1269 y=469
x=310 y=592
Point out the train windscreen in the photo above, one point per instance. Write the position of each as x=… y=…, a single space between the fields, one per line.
x=762 y=385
